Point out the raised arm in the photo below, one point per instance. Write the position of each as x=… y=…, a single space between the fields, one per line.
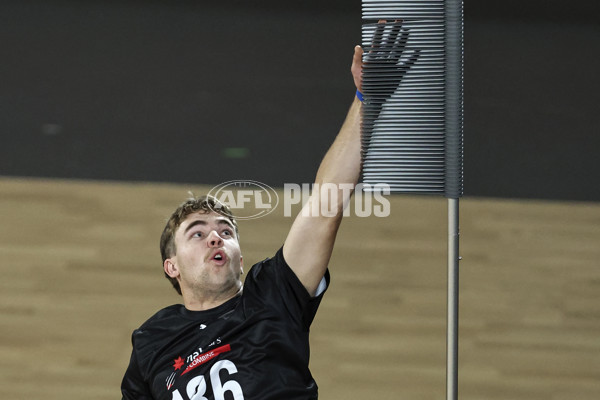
x=309 y=244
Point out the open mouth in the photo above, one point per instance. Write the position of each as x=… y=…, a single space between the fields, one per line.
x=219 y=257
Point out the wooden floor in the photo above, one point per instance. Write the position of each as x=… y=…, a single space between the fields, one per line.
x=81 y=269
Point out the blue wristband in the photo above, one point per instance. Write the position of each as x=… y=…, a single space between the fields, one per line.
x=359 y=95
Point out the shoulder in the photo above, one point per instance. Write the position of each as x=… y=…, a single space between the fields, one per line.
x=269 y=265
x=271 y=271
x=273 y=279
x=162 y=323
x=276 y=269
x=167 y=313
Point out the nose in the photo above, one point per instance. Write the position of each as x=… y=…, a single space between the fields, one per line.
x=214 y=240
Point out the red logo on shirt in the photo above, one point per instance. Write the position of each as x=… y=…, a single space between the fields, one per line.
x=178 y=363
x=202 y=358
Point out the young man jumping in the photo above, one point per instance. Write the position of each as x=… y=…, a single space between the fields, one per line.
x=233 y=340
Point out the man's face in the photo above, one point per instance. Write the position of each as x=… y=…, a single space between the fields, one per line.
x=208 y=260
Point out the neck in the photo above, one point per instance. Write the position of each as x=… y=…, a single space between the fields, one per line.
x=208 y=301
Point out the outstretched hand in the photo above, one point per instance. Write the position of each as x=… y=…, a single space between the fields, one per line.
x=388 y=53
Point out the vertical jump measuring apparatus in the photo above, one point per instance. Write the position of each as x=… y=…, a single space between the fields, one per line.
x=412 y=123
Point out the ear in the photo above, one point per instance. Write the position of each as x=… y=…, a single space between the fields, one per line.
x=171 y=268
x=242 y=265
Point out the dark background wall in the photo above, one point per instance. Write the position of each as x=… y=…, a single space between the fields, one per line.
x=204 y=92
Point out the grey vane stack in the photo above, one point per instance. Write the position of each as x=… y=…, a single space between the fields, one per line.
x=412 y=126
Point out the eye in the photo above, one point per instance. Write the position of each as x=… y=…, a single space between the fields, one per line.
x=226 y=232
x=197 y=234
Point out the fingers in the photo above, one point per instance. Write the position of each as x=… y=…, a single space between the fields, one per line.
x=378 y=34
x=399 y=44
x=400 y=40
x=388 y=41
x=393 y=36
x=357 y=67
x=358 y=52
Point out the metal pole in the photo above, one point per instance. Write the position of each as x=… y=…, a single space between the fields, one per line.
x=452 y=318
